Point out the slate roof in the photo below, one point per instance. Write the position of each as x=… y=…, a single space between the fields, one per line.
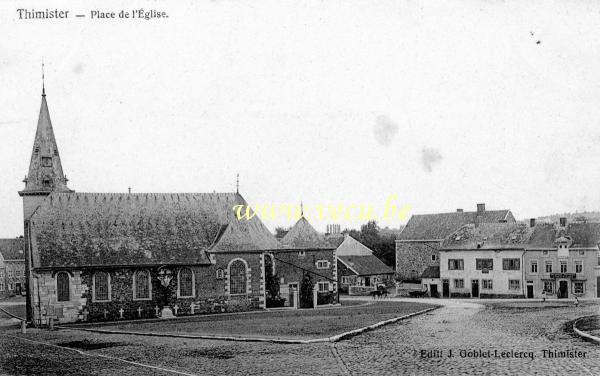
x=45 y=148
x=303 y=236
x=521 y=235
x=360 y=258
x=440 y=225
x=365 y=265
x=87 y=229
x=582 y=234
x=489 y=236
x=431 y=272
x=13 y=249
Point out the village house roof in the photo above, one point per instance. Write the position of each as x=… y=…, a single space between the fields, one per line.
x=45 y=169
x=303 y=236
x=431 y=272
x=89 y=229
x=579 y=234
x=488 y=236
x=438 y=226
x=360 y=259
x=12 y=249
x=523 y=236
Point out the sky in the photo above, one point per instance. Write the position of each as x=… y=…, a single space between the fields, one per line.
x=441 y=105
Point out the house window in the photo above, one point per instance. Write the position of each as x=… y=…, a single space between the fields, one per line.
x=578 y=266
x=237 y=278
x=101 y=287
x=486 y=284
x=433 y=257
x=545 y=252
x=481 y=264
x=578 y=287
x=323 y=286
x=62 y=287
x=534 y=266
x=142 y=285
x=548 y=287
x=459 y=283
x=322 y=264
x=511 y=264
x=46 y=161
x=456 y=264
x=548 y=266
x=581 y=252
x=514 y=284
x=345 y=280
x=563 y=267
x=185 y=283
x=220 y=273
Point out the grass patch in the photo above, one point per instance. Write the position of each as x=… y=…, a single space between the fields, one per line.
x=305 y=324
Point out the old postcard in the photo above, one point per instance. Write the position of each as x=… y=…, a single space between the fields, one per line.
x=354 y=187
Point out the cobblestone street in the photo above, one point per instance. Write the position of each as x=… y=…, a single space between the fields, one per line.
x=391 y=350
x=465 y=325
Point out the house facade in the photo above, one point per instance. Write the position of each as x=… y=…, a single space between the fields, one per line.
x=484 y=261
x=418 y=245
x=561 y=261
x=110 y=256
x=359 y=270
x=12 y=269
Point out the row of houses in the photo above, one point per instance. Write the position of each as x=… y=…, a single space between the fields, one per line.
x=490 y=255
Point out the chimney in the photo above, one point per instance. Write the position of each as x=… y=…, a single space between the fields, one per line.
x=459 y=210
x=563 y=221
x=480 y=208
x=532 y=222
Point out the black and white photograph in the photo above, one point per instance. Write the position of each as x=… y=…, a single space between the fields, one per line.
x=344 y=187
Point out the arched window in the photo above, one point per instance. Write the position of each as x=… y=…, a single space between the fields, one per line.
x=62 y=287
x=185 y=283
x=101 y=286
x=237 y=278
x=141 y=285
x=220 y=273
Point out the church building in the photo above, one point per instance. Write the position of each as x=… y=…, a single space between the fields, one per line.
x=111 y=256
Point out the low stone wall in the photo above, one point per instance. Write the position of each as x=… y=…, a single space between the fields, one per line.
x=360 y=290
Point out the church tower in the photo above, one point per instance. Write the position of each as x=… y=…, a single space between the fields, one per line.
x=45 y=170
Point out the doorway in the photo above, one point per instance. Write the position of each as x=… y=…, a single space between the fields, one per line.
x=563 y=290
x=433 y=291
x=445 y=288
x=529 y=291
x=475 y=288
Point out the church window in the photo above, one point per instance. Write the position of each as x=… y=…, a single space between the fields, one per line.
x=237 y=278
x=62 y=287
x=46 y=161
x=141 y=285
x=220 y=273
x=185 y=283
x=101 y=287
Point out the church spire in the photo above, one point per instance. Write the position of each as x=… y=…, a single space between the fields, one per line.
x=45 y=169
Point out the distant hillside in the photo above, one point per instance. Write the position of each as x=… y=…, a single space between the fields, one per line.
x=591 y=216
